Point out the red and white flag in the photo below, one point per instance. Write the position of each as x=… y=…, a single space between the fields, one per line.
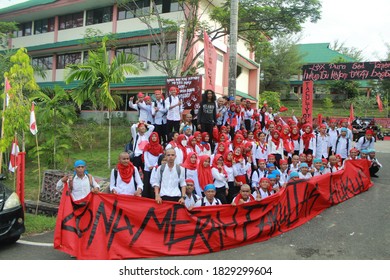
x=379 y=101
x=13 y=160
x=7 y=87
x=351 y=116
x=33 y=123
x=210 y=62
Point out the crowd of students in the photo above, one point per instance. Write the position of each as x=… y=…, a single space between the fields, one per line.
x=228 y=152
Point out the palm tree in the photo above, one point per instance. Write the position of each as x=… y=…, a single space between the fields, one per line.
x=96 y=76
x=57 y=113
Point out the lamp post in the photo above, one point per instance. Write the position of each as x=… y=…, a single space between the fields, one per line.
x=233 y=48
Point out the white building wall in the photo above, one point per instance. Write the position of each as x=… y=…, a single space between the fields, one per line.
x=242 y=82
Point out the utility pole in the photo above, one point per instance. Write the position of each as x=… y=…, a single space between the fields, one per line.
x=233 y=48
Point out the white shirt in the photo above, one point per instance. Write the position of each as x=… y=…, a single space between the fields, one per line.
x=144 y=137
x=344 y=144
x=174 y=114
x=216 y=201
x=170 y=181
x=81 y=186
x=323 y=144
x=220 y=179
x=160 y=116
x=190 y=201
x=143 y=109
x=126 y=188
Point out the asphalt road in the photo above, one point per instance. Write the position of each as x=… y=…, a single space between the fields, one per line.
x=357 y=229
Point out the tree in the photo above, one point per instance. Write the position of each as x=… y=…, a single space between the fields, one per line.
x=57 y=114
x=283 y=61
x=271 y=18
x=271 y=98
x=23 y=85
x=354 y=53
x=95 y=77
x=257 y=19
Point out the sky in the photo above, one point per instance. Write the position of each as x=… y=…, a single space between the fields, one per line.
x=364 y=25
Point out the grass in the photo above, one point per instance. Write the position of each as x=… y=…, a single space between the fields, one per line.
x=38 y=223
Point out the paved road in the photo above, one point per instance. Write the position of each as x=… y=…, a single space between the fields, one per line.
x=358 y=229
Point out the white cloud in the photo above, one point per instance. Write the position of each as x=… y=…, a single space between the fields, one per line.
x=363 y=26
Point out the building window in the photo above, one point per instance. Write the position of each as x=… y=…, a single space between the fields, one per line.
x=156 y=55
x=100 y=15
x=25 y=29
x=167 y=6
x=141 y=52
x=44 y=25
x=45 y=63
x=71 y=21
x=69 y=58
x=134 y=9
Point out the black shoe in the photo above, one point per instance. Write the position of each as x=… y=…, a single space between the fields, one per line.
x=375 y=176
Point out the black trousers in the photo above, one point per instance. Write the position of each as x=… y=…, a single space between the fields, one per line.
x=172 y=126
x=221 y=195
x=148 y=190
x=161 y=129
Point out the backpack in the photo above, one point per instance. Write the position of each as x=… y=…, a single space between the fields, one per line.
x=130 y=147
x=178 y=170
x=337 y=142
x=204 y=203
x=116 y=177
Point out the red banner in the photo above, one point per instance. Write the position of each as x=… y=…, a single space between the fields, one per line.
x=108 y=226
x=210 y=62
x=307 y=101
x=190 y=90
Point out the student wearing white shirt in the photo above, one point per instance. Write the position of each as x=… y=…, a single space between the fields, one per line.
x=81 y=183
x=125 y=178
x=140 y=133
x=209 y=199
x=159 y=113
x=175 y=109
x=143 y=106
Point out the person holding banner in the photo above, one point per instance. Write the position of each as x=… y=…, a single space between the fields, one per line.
x=80 y=183
x=169 y=183
x=125 y=179
x=209 y=198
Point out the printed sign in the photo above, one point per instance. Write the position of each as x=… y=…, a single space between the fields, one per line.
x=347 y=71
x=190 y=90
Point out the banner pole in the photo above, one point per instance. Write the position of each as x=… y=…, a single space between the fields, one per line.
x=39 y=174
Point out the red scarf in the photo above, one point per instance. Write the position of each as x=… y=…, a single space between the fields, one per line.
x=296 y=135
x=188 y=164
x=180 y=138
x=215 y=163
x=126 y=172
x=228 y=163
x=239 y=196
x=237 y=158
x=204 y=173
x=275 y=140
x=154 y=147
x=306 y=137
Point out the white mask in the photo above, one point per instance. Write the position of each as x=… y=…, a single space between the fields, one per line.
x=184 y=142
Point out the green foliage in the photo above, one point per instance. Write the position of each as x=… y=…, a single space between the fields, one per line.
x=270 y=17
x=38 y=223
x=328 y=103
x=55 y=114
x=271 y=98
x=22 y=82
x=96 y=76
x=279 y=64
x=361 y=105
